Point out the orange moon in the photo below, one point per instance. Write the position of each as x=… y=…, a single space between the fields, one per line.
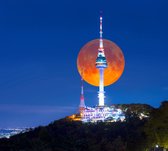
x=87 y=58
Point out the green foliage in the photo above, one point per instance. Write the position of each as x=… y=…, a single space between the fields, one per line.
x=157 y=127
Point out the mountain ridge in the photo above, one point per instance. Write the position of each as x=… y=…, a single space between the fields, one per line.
x=134 y=134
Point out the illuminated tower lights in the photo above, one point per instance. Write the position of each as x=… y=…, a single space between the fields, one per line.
x=82 y=100
x=101 y=63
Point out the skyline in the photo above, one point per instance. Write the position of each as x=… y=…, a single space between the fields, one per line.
x=40 y=42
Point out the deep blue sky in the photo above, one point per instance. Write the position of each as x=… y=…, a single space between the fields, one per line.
x=39 y=44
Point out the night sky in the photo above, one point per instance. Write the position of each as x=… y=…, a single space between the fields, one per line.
x=39 y=44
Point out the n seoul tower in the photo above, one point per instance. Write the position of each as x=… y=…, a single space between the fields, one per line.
x=101 y=64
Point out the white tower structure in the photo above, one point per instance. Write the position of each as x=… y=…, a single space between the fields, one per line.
x=101 y=64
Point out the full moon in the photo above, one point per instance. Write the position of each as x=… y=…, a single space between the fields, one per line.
x=87 y=58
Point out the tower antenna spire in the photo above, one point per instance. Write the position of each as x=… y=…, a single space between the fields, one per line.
x=101 y=32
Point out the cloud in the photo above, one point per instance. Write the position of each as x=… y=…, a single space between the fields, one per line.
x=36 y=109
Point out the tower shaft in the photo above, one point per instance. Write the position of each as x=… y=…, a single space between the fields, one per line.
x=101 y=92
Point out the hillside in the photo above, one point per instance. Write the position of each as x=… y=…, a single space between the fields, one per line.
x=67 y=135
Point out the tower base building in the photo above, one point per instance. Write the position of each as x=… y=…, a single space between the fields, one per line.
x=102 y=114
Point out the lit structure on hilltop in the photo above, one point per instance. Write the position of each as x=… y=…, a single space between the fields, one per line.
x=98 y=113
x=101 y=112
x=87 y=68
x=101 y=63
x=82 y=100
